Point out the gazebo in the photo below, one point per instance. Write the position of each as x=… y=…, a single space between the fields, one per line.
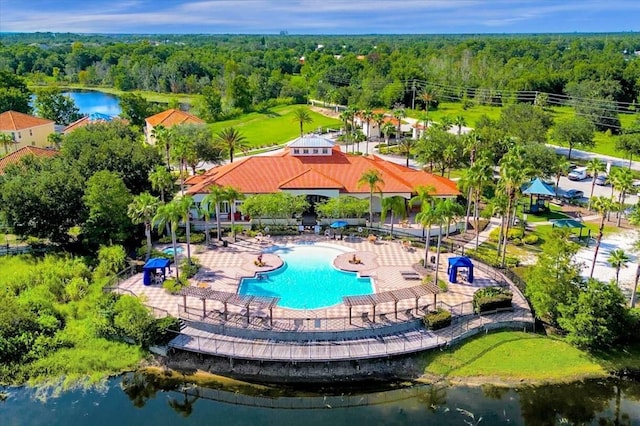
x=542 y=191
x=152 y=266
x=570 y=224
x=459 y=262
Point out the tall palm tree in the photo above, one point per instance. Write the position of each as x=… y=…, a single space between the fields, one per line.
x=231 y=139
x=142 y=210
x=405 y=146
x=378 y=118
x=205 y=211
x=186 y=204
x=162 y=136
x=441 y=213
x=301 y=116
x=423 y=195
x=459 y=121
x=602 y=205
x=450 y=211
x=161 y=180
x=170 y=213
x=445 y=123
x=399 y=113
x=345 y=117
x=513 y=173
x=367 y=116
x=561 y=168
x=6 y=140
x=386 y=129
x=634 y=219
x=397 y=205
x=373 y=179
x=618 y=259
x=473 y=182
x=594 y=166
x=622 y=181
x=427 y=217
x=231 y=195
x=427 y=98
x=215 y=196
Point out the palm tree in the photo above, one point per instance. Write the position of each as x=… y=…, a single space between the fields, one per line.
x=345 y=117
x=231 y=195
x=450 y=211
x=405 y=146
x=618 y=259
x=162 y=136
x=54 y=139
x=161 y=180
x=170 y=214
x=205 y=211
x=594 y=166
x=373 y=179
x=6 y=140
x=397 y=205
x=427 y=98
x=445 y=123
x=602 y=205
x=427 y=217
x=513 y=174
x=561 y=168
x=441 y=214
x=634 y=219
x=622 y=180
x=186 y=203
x=399 y=113
x=386 y=129
x=301 y=115
x=474 y=181
x=378 y=118
x=142 y=210
x=367 y=116
x=232 y=139
x=460 y=122
x=215 y=196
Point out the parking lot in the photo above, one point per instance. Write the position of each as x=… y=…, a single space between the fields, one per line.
x=585 y=186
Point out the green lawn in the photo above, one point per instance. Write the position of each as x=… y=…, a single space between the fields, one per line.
x=274 y=127
x=511 y=355
x=544 y=231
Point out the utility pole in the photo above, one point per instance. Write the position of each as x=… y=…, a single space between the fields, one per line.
x=413 y=97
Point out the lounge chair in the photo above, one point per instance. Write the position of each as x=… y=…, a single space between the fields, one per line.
x=410 y=275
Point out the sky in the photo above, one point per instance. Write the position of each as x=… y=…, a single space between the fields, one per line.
x=319 y=16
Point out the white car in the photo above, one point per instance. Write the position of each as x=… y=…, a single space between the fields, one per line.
x=579 y=173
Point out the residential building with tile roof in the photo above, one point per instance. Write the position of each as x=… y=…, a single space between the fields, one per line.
x=92 y=118
x=169 y=118
x=25 y=129
x=16 y=156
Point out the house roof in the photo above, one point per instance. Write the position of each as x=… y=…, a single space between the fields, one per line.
x=94 y=117
x=13 y=120
x=173 y=117
x=16 y=156
x=268 y=174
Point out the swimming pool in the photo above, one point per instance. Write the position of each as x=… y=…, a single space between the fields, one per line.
x=169 y=250
x=307 y=280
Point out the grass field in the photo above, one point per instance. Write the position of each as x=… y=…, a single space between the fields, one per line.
x=514 y=356
x=274 y=127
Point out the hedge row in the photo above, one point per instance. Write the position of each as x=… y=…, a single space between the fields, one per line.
x=491 y=298
x=435 y=320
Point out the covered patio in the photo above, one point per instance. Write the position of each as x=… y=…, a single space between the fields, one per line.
x=543 y=192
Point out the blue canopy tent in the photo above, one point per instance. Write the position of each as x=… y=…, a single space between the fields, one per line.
x=152 y=266
x=459 y=262
x=542 y=191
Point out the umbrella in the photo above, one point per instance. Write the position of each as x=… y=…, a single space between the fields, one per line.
x=339 y=224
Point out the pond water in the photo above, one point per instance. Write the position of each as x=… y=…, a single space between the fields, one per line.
x=137 y=399
x=90 y=101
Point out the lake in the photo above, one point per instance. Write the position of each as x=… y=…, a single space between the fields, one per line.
x=89 y=101
x=139 y=399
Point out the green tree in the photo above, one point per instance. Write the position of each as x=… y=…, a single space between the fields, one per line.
x=279 y=205
x=216 y=194
x=459 y=122
x=577 y=131
x=555 y=278
x=427 y=98
x=232 y=195
x=342 y=206
x=163 y=137
x=622 y=181
x=170 y=213
x=597 y=318
x=525 y=123
x=14 y=94
x=618 y=259
x=162 y=180
x=142 y=210
x=634 y=219
x=197 y=145
x=594 y=167
x=602 y=205
x=629 y=143
x=373 y=179
x=51 y=104
x=54 y=139
x=368 y=117
x=396 y=205
x=301 y=116
x=6 y=141
x=107 y=200
x=386 y=129
x=399 y=113
x=232 y=140
x=427 y=217
x=135 y=108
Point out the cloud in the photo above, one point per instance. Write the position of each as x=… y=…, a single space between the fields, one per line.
x=318 y=16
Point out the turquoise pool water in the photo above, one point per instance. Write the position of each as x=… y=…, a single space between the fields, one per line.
x=169 y=250
x=307 y=279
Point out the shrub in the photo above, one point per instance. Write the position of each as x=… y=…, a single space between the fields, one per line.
x=166 y=329
x=516 y=242
x=435 y=320
x=189 y=270
x=531 y=239
x=491 y=298
x=513 y=234
x=492 y=259
x=173 y=286
x=444 y=287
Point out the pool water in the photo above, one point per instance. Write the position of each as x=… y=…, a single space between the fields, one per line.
x=169 y=250
x=307 y=280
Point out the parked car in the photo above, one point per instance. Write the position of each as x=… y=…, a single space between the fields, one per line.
x=573 y=194
x=602 y=179
x=579 y=173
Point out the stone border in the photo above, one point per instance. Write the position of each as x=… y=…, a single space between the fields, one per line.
x=367 y=261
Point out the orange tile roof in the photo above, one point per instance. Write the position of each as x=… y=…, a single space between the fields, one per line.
x=173 y=117
x=13 y=120
x=85 y=121
x=267 y=174
x=16 y=156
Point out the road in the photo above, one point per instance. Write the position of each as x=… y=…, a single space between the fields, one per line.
x=585 y=186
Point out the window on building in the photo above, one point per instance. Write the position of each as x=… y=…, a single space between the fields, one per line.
x=305 y=151
x=325 y=150
x=296 y=151
x=315 y=150
x=19 y=135
x=30 y=132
